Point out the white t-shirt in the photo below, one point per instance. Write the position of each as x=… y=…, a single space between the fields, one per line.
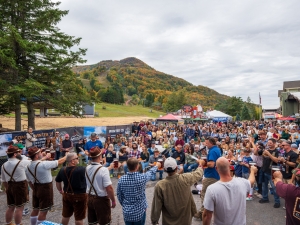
x=269 y=135
x=102 y=179
x=228 y=201
x=43 y=171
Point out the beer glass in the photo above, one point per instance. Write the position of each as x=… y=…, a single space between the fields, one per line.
x=205 y=160
x=116 y=163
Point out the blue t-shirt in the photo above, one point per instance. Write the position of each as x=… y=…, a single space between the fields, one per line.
x=246 y=160
x=91 y=144
x=213 y=154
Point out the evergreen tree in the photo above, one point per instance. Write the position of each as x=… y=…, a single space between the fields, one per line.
x=36 y=57
x=245 y=114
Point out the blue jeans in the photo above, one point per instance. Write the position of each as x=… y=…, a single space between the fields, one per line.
x=141 y=222
x=125 y=168
x=85 y=156
x=189 y=167
x=107 y=165
x=144 y=164
x=265 y=189
x=153 y=177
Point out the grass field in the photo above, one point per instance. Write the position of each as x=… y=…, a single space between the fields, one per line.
x=125 y=110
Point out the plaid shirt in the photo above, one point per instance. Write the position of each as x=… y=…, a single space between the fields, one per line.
x=133 y=154
x=131 y=194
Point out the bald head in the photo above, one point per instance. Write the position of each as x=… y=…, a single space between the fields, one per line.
x=223 y=165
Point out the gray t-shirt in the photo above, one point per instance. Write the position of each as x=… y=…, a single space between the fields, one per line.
x=228 y=201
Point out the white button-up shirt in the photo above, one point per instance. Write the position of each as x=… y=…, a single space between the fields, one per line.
x=43 y=172
x=9 y=166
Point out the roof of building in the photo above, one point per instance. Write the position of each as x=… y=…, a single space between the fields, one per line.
x=291 y=84
x=296 y=95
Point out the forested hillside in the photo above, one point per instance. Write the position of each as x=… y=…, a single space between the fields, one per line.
x=109 y=81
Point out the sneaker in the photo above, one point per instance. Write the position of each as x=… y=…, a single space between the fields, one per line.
x=25 y=212
x=259 y=195
x=160 y=178
x=263 y=201
x=198 y=215
x=283 y=207
x=249 y=198
x=276 y=205
x=119 y=176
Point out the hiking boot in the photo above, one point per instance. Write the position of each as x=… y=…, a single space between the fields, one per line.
x=263 y=201
x=276 y=205
x=198 y=215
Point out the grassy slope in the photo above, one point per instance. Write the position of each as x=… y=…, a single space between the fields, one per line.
x=123 y=110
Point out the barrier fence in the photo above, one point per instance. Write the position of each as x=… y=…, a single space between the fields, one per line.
x=76 y=133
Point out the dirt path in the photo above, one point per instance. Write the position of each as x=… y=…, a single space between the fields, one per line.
x=44 y=123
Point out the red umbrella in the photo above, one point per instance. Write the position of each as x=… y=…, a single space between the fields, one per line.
x=286 y=118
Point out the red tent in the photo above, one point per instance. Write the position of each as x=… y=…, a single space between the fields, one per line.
x=286 y=118
x=169 y=117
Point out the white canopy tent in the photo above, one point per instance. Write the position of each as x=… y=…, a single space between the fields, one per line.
x=218 y=116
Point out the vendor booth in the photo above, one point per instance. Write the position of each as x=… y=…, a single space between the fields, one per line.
x=218 y=116
x=169 y=119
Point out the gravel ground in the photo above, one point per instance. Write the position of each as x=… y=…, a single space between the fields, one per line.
x=257 y=214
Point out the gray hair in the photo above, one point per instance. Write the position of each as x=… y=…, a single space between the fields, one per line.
x=70 y=156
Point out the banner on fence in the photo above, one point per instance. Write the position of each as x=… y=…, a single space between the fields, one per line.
x=100 y=131
x=114 y=130
x=5 y=140
x=76 y=133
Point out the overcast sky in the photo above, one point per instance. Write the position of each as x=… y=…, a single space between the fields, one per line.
x=238 y=48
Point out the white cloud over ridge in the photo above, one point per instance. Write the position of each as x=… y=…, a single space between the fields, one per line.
x=239 y=48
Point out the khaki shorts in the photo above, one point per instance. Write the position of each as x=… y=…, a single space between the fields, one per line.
x=17 y=194
x=99 y=210
x=42 y=196
x=286 y=181
x=74 y=203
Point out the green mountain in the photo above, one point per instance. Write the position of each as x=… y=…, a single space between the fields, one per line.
x=112 y=80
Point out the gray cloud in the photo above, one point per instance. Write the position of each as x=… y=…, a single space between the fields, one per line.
x=239 y=48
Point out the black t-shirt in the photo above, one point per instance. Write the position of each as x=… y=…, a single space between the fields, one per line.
x=77 y=179
x=286 y=170
x=145 y=156
x=66 y=143
x=110 y=156
x=79 y=146
x=268 y=163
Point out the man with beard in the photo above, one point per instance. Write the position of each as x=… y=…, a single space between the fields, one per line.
x=40 y=180
x=14 y=180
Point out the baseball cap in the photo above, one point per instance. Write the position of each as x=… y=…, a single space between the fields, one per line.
x=170 y=164
x=296 y=172
x=293 y=146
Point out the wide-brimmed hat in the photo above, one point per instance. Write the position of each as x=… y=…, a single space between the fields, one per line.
x=12 y=149
x=33 y=151
x=95 y=152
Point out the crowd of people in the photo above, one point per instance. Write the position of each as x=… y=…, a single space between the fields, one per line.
x=232 y=160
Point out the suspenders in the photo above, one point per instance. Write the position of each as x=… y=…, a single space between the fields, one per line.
x=91 y=182
x=34 y=175
x=69 y=178
x=13 y=172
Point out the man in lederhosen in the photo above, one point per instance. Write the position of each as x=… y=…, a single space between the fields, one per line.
x=74 y=190
x=40 y=180
x=101 y=196
x=15 y=183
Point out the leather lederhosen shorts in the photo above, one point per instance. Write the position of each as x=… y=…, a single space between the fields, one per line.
x=17 y=193
x=74 y=203
x=42 y=196
x=99 y=210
